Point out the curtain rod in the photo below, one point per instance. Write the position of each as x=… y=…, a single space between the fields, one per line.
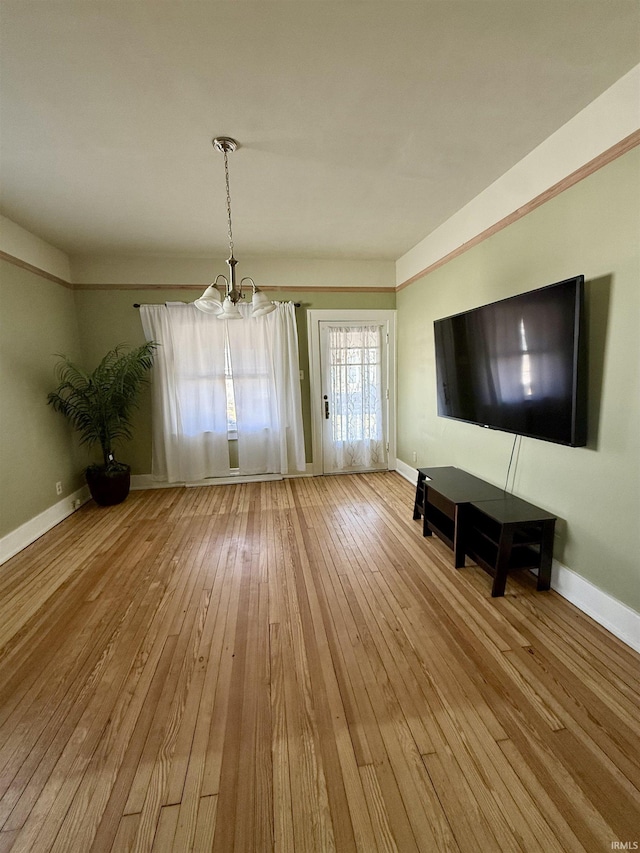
x=137 y=304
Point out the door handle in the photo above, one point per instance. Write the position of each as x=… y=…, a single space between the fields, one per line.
x=326 y=408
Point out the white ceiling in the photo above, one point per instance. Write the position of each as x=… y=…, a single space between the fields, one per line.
x=363 y=125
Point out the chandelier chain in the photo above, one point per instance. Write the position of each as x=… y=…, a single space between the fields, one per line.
x=211 y=301
x=226 y=175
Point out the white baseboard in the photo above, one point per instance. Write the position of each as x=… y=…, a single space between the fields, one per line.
x=618 y=618
x=409 y=473
x=40 y=524
x=139 y=482
x=308 y=472
x=146 y=481
x=235 y=480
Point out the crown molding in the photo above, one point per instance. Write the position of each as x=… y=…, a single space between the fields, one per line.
x=18 y=262
x=625 y=145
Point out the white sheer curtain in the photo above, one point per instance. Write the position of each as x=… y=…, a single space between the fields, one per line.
x=190 y=424
x=355 y=390
x=253 y=388
x=283 y=332
x=189 y=408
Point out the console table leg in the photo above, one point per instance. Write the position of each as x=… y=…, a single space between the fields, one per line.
x=502 y=563
x=419 y=501
x=546 y=555
x=425 y=503
x=459 y=525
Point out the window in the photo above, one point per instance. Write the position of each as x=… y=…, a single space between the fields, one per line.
x=232 y=423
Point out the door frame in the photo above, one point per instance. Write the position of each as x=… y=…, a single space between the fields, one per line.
x=352 y=315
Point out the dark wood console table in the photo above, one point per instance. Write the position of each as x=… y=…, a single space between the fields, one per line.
x=499 y=531
x=442 y=495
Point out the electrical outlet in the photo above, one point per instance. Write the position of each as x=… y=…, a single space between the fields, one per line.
x=414 y=456
x=58 y=488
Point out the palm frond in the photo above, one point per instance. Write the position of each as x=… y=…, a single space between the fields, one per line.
x=99 y=404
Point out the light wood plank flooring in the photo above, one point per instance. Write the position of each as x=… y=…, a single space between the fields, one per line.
x=290 y=666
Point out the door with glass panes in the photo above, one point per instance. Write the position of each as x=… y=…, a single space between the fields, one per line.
x=354 y=388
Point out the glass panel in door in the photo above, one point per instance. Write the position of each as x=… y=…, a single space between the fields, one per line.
x=354 y=372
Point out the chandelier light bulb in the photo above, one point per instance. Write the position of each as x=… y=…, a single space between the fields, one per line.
x=261 y=304
x=211 y=301
x=230 y=310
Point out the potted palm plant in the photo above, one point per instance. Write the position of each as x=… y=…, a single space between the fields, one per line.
x=99 y=405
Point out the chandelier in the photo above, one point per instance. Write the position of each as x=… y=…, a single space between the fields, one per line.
x=211 y=301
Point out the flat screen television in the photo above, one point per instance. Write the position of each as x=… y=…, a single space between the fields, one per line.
x=518 y=365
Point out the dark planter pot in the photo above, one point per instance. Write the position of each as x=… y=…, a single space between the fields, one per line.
x=108 y=487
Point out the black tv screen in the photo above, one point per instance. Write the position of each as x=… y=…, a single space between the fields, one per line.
x=518 y=365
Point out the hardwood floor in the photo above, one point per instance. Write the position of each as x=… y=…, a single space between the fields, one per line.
x=290 y=666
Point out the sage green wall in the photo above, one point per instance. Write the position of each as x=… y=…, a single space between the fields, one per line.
x=37 y=448
x=593 y=228
x=107 y=318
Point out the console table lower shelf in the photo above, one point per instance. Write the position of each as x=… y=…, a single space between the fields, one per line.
x=498 y=531
x=508 y=534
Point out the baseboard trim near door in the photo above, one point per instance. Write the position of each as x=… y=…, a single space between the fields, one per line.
x=409 y=473
x=140 y=482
